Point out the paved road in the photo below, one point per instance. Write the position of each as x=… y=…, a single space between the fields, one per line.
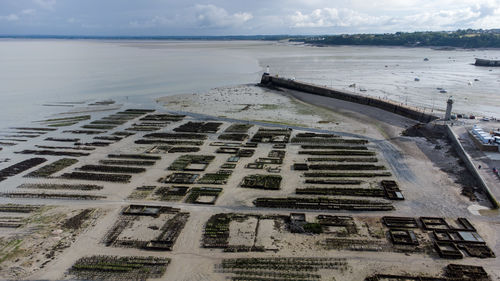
x=480 y=158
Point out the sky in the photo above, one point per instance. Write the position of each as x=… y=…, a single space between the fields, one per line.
x=235 y=17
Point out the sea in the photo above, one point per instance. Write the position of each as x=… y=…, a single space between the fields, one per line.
x=42 y=78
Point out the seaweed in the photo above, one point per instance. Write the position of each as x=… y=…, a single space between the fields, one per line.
x=316 y=135
x=61 y=186
x=20 y=167
x=183 y=149
x=65 y=121
x=342 y=159
x=65 y=147
x=348 y=191
x=330 y=181
x=180 y=178
x=62 y=140
x=328 y=140
x=324 y=147
x=238 y=128
x=86 y=132
x=214 y=178
x=176 y=136
x=233 y=137
x=48 y=170
x=163 y=117
x=171 y=142
x=97 y=177
x=355 y=167
x=171 y=193
x=216 y=231
x=51 y=195
x=119 y=268
x=346 y=174
x=95 y=143
x=109 y=138
x=134 y=156
x=112 y=169
x=53 y=153
x=18 y=208
x=122 y=133
x=270 y=182
x=127 y=162
x=323 y=203
x=199 y=127
x=197 y=192
x=338 y=152
x=272 y=135
x=76 y=221
x=184 y=161
x=99 y=127
x=114 y=122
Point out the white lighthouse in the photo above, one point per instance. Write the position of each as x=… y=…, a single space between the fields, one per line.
x=449 y=105
x=267 y=70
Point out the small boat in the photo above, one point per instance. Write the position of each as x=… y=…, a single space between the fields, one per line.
x=417 y=79
x=443 y=91
x=426 y=59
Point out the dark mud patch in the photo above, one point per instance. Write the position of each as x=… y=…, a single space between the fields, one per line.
x=76 y=221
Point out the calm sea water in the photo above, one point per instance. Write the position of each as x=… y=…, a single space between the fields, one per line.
x=38 y=72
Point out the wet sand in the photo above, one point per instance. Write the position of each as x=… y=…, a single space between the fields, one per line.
x=429 y=191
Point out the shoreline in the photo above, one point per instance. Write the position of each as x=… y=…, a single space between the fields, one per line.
x=229 y=38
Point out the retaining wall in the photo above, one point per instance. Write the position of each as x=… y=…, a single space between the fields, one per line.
x=348 y=96
x=470 y=165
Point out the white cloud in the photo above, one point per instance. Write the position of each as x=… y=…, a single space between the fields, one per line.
x=248 y=17
x=28 y=12
x=18 y=16
x=155 y=21
x=210 y=16
x=46 y=4
x=478 y=15
x=198 y=16
x=11 y=17
x=333 y=17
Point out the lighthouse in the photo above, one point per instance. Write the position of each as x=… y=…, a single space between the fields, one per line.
x=449 y=105
x=267 y=70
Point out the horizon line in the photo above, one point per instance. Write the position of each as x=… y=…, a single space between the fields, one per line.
x=264 y=36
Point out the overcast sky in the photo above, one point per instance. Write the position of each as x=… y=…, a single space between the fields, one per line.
x=235 y=17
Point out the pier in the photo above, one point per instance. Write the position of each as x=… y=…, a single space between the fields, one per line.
x=386 y=105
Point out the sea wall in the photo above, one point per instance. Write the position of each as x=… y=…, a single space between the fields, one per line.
x=348 y=96
x=470 y=166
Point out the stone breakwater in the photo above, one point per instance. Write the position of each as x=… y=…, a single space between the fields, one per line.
x=386 y=105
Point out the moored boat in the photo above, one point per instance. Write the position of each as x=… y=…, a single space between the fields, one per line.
x=485 y=62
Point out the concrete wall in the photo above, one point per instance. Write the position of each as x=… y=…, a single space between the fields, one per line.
x=470 y=165
x=348 y=96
